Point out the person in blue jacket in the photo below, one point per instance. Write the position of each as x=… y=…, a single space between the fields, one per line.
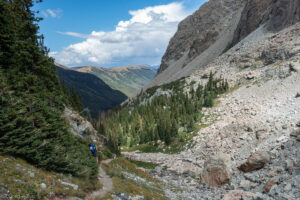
x=94 y=150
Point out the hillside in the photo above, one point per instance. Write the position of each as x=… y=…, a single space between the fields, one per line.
x=128 y=79
x=249 y=147
x=96 y=95
x=44 y=142
x=247 y=144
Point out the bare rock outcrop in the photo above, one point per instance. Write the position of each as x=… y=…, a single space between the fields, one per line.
x=199 y=31
x=255 y=13
x=277 y=14
x=81 y=127
x=284 y=13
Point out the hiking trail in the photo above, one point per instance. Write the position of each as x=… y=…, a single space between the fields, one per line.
x=103 y=179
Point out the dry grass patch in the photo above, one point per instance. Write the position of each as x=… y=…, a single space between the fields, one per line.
x=18 y=179
x=127 y=178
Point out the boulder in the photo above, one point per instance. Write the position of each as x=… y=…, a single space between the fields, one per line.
x=239 y=195
x=256 y=161
x=216 y=172
x=295 y=133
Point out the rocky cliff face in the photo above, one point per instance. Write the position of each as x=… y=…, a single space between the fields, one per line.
x=200 y=30
x=284 y=13
x=277 y=14
x=217 y=26
x=255 y=13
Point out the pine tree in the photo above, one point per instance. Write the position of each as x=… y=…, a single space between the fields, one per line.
x=32 y=99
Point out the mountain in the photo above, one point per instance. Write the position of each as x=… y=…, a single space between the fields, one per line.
x=211 y=141
x=96 y=94
x=128 y=79
x=215 y=28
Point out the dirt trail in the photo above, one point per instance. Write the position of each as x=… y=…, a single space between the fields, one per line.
x=103 y=179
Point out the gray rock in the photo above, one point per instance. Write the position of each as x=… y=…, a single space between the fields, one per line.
x=288 y=187
x=43 y=186
x=260 y=134
x=158 y=169
x=31 y=174
x=188 y=173
x=139 y=197
x=75 y=187
x=289 y=164
x=245 y=184
x=124 y=196
x=284 y=127
x=295 y=133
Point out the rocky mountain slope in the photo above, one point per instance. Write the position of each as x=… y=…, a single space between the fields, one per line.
x=217 y=26
x=96 y=95
x=250 y=145
x=128 y=79
x=250 y=149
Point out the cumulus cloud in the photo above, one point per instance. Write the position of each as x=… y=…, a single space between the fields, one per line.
x=52 y=13
x=140 y=40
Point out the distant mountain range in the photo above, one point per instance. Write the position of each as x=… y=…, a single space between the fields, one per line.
x=96 y=94
x=105 y=88
x=127 y=79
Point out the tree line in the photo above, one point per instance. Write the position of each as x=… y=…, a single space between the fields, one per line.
x=160 y=117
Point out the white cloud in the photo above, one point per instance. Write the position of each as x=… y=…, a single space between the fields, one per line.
x=52 y=13
x=140 y=40
x=74 y=34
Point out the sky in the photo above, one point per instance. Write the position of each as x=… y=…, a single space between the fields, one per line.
x=110 y=33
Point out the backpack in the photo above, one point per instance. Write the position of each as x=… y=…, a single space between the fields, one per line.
x=93 y=148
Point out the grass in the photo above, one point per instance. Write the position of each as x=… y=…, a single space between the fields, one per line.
x=145 y=165
x=24 y=180
x=144 y=185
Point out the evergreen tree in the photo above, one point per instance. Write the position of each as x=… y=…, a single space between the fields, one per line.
x=32 y=99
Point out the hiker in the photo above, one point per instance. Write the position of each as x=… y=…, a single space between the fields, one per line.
x=94 y=150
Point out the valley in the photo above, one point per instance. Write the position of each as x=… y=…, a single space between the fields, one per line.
x=128 y=79
x=219 y=119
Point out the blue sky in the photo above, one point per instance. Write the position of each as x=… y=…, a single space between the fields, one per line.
x=111 y=33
